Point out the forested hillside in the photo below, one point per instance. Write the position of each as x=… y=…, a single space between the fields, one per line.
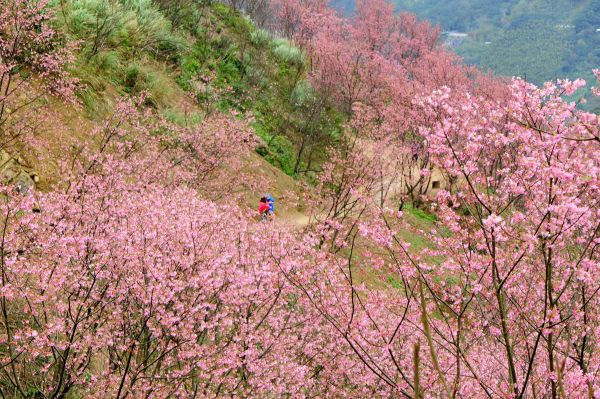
x=536 y=39
x=267 y=199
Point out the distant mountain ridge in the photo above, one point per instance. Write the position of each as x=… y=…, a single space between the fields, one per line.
x=539 y=40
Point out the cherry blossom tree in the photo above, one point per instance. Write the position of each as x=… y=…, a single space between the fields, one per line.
x=29 y=48
x=300 y=20
x=497 y=302
x=525 y=224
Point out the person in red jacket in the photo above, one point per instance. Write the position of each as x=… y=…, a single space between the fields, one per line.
x=263 y=209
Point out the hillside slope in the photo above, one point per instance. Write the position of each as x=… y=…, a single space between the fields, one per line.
x=216 y=62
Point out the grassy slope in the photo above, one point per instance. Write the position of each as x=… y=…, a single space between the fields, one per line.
x=224 y=39
x=246 y=71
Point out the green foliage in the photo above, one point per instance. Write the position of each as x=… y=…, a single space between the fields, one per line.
x=138 y=79
x=278 y=151
x=282 y=154
x=302 y=93
x=459 y=15
x=132 y=75
x=395 y=283
x=233 y=20
x=288 y=53
x=237 y=66
x=83 y=15
x=144 y=28
x=109 y=62
x=95 y=105
x=534 y=50
x=130 y=27
x=88 y=100
x=122 y=42
x=260 y=38
x=420 y=214
x=181 y=118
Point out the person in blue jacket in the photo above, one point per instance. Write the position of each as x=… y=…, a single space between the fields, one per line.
x=271 y=202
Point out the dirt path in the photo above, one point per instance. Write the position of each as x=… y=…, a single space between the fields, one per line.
x=293 y=219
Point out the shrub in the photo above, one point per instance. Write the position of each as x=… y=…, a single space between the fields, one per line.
x=139 y=79
x=260 y=37
x=288 y=53
x=171 y=47
x=282 y=154
x=256 y=75
x=96 y=22
x=143 y=28
x=130 y=80
x=302 y=93
x=132 y=26
x=108 y=62
x=28 y=46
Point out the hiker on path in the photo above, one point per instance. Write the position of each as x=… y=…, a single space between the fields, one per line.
x=263 y=209
x=271 y=202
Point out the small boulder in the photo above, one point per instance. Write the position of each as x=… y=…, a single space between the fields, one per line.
x=24 y=182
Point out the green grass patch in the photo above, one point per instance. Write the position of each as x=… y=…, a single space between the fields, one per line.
x=288 y=53
x=260 y=38
x=175 y=115
x=278 y=150
x=420 y=214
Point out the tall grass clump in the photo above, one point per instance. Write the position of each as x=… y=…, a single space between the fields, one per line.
x=108 y=62
x=131 y=27
x=138 y=78
x=288 y=53
x=145 y=29
x=95 y=23
x=303 y=93
x=260 y=37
